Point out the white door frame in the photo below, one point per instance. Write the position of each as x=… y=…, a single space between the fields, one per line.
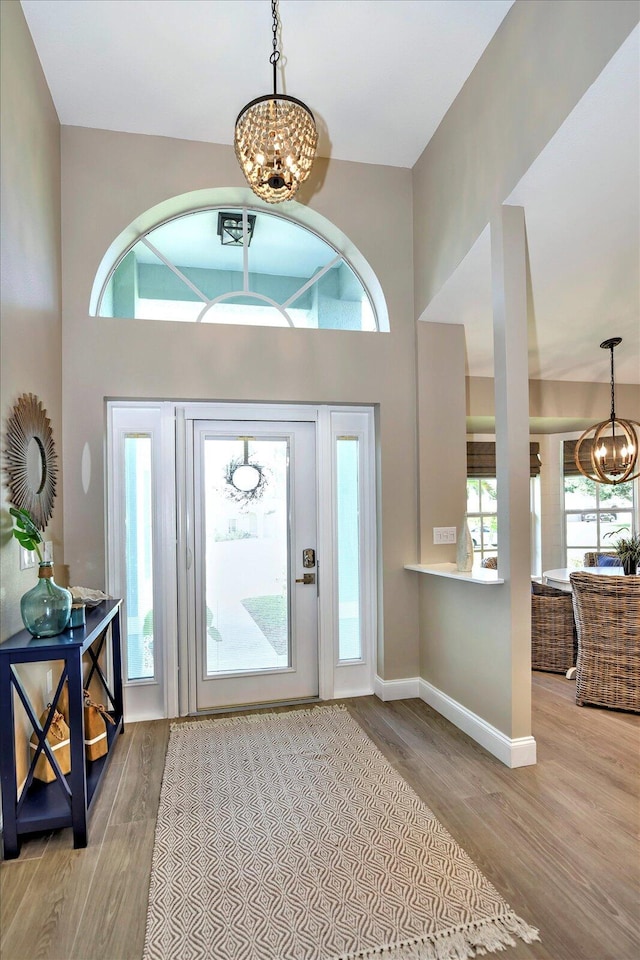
x=175 y=565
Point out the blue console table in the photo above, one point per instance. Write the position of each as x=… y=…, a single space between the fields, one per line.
x=64 y=802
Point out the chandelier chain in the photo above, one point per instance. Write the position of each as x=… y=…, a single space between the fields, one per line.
x=275 y=55
x=613 y=395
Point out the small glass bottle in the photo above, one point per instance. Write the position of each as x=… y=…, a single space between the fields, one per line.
x=46 y=607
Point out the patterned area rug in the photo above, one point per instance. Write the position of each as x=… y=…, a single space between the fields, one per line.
x=290 y=837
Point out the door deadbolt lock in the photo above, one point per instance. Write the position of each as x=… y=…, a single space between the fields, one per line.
x=307 y=578
x=308 y=557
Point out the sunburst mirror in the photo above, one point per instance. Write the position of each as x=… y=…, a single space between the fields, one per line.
x=31 y=459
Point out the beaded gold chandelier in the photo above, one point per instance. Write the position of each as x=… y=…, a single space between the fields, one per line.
x=611 y=445
x=275 y=138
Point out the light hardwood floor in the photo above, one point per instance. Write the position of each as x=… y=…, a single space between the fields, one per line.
x=558 y=840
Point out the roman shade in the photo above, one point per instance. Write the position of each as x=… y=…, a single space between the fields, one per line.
x=569 y=453
x=481 y=459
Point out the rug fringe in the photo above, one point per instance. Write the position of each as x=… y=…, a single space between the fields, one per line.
x=475 y=940
x=258 y=717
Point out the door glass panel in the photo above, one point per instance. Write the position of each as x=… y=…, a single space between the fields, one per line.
x=348 y=536
x=246 y=617
x=139 y=557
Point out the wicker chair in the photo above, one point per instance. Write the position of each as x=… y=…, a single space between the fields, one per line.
x=553 y=631
x=591 y=559
x=607 y=612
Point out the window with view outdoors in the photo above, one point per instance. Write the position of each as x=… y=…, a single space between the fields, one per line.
x=237 y=266
x=482 y=507
x=482 y=494
x=348 y=543
x=595 y=514
x=140 y=664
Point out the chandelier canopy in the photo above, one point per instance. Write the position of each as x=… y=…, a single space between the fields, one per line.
x=275 y=138
x=609 y=448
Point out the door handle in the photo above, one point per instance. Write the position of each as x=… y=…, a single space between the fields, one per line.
x=307 y=578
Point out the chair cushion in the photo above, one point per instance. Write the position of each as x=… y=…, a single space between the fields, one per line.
x=603 y=560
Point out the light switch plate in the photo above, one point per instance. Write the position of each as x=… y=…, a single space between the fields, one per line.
x=28 y=559
x=444 y=535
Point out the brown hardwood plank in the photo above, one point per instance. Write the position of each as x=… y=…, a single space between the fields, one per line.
x=46 y=921
x=15 y=878
x=556 y=818
x=139 y=795
x=558 y=840
x=532 y=865
x=114 y=926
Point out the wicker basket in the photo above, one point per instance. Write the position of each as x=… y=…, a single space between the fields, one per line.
x=607 y=612
x=553 y=631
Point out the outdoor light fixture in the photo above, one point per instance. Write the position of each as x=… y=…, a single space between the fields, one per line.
x=275 y=138
x=231 y=229
x=610 y=447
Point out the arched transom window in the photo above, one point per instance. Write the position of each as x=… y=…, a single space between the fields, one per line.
x=237 y=265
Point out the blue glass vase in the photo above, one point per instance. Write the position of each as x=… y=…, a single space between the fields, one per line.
x=46 y=608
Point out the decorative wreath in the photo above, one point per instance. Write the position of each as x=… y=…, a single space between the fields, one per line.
x=237 y=493
x=29 y=421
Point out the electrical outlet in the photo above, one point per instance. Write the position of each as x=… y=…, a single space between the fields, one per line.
x=28 y=559
x=49 y=684
x=444 y=535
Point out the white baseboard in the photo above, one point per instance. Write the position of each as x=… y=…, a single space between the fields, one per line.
x=396 y=689
x=343 y=693
x=518 y=752
x=141 y=716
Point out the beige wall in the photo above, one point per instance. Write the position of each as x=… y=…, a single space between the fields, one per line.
x=560 y=400
x=543 y=58
x=30 y=276
x=442 y=452
x=462 y=623
x=30 y=330
x=465 y=643
x=109 y=179
x=468 y=653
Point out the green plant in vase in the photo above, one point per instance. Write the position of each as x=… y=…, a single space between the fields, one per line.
x=26 y=532
x=628 y=550
x=46 y=608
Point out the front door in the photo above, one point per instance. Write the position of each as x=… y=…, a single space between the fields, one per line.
x=254 y=617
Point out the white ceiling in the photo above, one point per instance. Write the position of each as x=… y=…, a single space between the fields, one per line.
x=184 y=68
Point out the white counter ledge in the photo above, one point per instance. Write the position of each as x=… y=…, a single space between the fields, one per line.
x=477 y=575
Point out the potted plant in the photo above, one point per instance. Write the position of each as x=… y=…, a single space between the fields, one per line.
x=46 y=607
x=628 y=550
